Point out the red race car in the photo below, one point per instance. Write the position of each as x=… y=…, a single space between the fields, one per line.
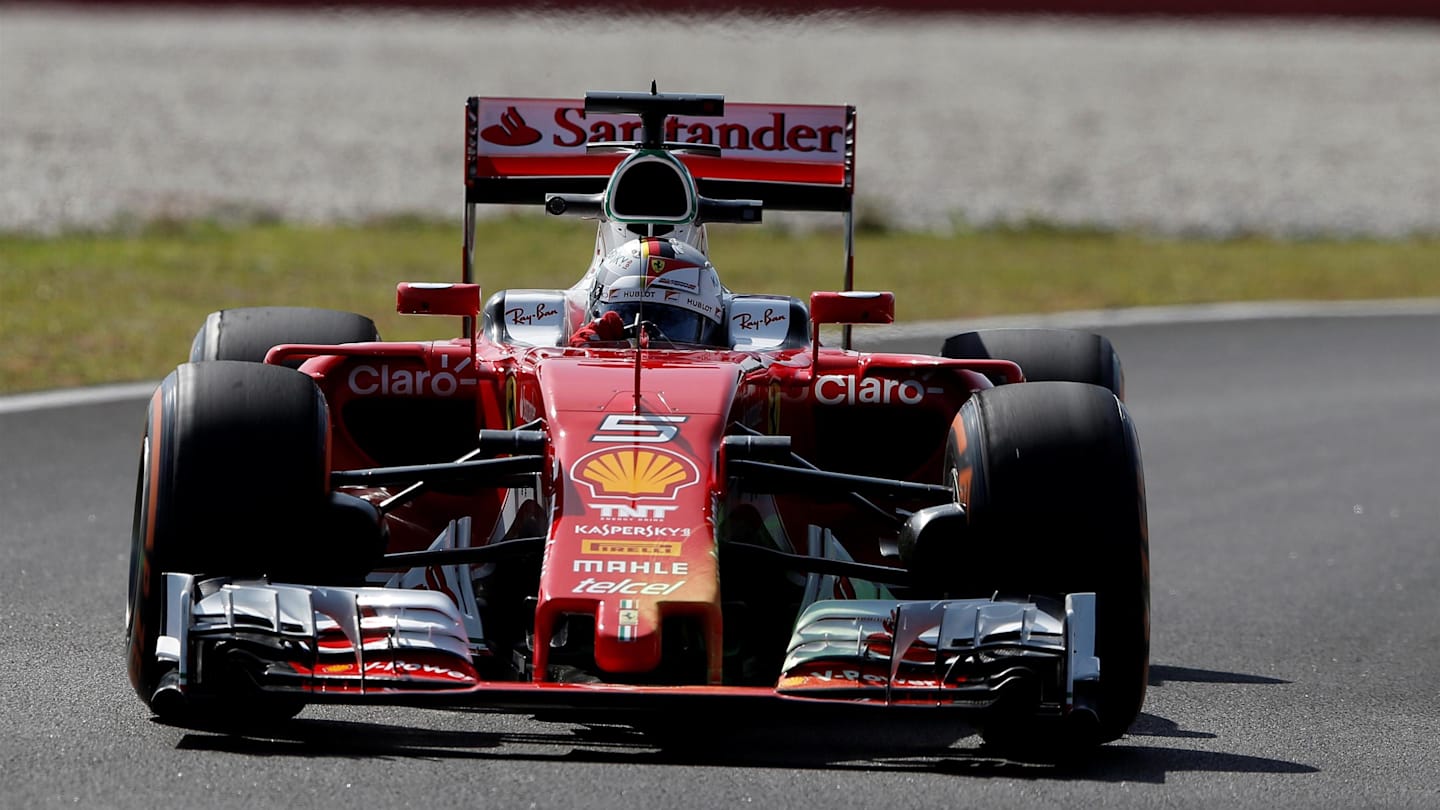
x=646 y=494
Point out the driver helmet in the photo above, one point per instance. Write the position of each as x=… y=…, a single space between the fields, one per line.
x=669 y=284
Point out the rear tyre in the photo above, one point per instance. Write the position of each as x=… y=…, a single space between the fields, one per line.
x=1051 y=478
x=248 y=333
x=233 y=480
x=1045 y=354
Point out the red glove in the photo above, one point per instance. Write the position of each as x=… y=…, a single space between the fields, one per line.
x=605 y=329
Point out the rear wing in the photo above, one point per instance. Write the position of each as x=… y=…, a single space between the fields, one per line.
x=791 y=157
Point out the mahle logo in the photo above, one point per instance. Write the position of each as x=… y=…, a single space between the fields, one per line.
x=634 y=473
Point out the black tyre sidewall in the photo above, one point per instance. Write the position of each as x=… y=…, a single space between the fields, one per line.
x=145 y=598
x=234 y=474
x=1045 y=355
x=248 y=333
x=1056 y=504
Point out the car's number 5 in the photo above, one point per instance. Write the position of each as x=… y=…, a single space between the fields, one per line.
x=638 y=428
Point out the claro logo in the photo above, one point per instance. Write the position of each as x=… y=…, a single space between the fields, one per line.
x=840 y=389
x=409 y=380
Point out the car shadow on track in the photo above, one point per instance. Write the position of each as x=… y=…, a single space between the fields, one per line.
x=833 y=748
x=1161 y=674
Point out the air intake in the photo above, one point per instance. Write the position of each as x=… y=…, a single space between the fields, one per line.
x=651 y=188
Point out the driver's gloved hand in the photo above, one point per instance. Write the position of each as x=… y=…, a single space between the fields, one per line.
x=607 y=328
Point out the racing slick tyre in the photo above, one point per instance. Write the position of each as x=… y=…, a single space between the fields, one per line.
x=247 y=333
x=1045 y=354
x=1051 y=479
x=234 y=473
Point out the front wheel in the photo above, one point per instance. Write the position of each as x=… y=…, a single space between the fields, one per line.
x=1051 y=479
x=234 y=468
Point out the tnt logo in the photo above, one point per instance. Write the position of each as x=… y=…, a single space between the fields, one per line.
x=618 y=511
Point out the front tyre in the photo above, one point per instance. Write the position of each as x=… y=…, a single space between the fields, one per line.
x=234 y=467
x=1051 y=479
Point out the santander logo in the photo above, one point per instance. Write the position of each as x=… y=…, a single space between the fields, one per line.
x=511 y=131
x=528 y=127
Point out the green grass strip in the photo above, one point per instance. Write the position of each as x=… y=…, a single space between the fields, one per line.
x=82 y=309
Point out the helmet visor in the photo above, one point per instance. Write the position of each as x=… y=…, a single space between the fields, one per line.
x=671 y=324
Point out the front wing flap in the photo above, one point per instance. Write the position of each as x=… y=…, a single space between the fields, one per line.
x=975 y=653
x=406 y=646
x=296 y=638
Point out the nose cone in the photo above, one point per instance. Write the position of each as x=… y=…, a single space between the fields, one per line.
x=631 y=587
x=632 y=543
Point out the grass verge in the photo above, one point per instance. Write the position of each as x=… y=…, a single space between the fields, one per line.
x=82 y=309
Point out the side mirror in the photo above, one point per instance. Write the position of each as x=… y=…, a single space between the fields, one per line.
x=847 y=308
x=421 y=298
x=852 y=307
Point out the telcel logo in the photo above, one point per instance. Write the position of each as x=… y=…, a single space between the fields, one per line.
x=627 y=586
x=841 y=389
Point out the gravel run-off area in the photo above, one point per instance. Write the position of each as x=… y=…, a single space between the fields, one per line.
x=1208 y=127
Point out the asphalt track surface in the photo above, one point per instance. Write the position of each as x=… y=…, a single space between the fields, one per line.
x=1293 y=467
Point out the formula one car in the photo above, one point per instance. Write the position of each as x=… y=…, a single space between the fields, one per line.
x=647 y=495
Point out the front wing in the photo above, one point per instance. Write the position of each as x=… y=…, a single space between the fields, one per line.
x=412 y=647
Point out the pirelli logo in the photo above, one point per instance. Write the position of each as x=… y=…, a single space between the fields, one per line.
x=631 y=548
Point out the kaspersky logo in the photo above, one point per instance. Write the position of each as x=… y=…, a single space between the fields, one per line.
x=634 y=473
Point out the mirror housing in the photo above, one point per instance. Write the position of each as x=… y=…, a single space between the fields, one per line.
x=852 y=307
x=847 y=308
x=423 y=298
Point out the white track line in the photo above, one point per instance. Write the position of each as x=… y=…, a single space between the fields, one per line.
x=1091 y=319
x=66 y=397
x=1145 y=316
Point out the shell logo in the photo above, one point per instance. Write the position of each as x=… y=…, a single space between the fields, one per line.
x=634 y=473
